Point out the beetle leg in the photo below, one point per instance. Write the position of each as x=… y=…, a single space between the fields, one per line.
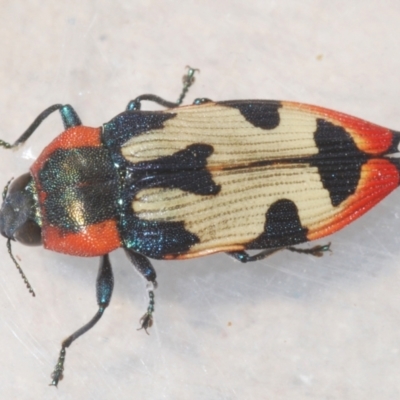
x=188 y=80
x=244 y=257
x=316 y=251
x=104 y=288
x=144 y=267
x=69 y=117
x=201 y=100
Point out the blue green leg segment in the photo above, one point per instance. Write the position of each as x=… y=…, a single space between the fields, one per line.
x=104 y=289
x=144 y=267
x=242 y=256
x=68 y=115
x=200 y=101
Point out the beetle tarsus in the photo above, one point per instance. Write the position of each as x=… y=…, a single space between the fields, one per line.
x=316 y=251
x=188 y=80
x=244 y=257
x=6 y=145
x=57 y=374
x=146 y=321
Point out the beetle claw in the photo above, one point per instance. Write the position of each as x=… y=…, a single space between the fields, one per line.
x=318 y=251
x=146 y=322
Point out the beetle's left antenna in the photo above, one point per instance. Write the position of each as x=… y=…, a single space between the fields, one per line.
x=25 y=279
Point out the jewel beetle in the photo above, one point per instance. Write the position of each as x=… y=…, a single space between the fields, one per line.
x=189 y=181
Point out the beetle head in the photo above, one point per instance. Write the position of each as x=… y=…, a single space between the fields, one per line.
x=18 y=219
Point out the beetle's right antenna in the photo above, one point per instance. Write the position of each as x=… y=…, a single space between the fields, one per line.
x=25 y=279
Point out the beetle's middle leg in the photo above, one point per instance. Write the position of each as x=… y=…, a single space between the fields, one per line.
x=244 y=257
x=104 y=289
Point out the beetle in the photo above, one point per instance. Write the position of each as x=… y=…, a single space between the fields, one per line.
x=189 y=181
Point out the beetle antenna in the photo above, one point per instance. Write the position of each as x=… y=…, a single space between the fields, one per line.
x=25 y=279
x=188 y=81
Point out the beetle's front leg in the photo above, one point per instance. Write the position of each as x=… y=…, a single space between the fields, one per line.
x=144 y=267
x=68 y=114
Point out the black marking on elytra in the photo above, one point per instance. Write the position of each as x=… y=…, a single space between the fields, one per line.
x=132 y=123
x=394 y=147
x=81 y=187
x=155 y=239
x=282 y=227
x=260 y=113
x=185 y=170
x=339 y=161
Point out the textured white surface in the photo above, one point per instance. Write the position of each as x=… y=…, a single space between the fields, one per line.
x=290 y=327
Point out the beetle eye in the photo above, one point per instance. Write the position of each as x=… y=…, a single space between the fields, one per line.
x=30 y=234
x=19 y=184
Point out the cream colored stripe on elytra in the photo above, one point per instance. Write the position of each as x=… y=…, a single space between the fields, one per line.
x=235 y=141
x=237 y=214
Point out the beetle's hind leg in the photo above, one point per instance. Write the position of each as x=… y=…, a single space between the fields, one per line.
x=316 y=251
x=244 y=257
x=104 y=288
x=188 y=80
x=144 y=267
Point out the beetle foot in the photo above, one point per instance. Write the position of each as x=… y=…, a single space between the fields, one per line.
x=316 y=251
x=146 y=321
x=57 y=374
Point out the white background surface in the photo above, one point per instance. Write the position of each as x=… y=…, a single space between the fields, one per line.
x=289 y=327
